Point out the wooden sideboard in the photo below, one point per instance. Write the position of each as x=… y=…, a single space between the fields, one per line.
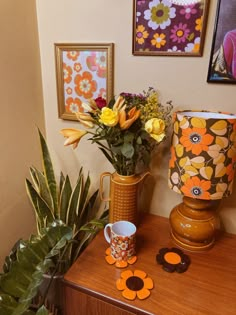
x=208 y=287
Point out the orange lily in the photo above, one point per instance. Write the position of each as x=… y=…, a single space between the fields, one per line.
x=118 y=104
x=85 y=119
x=73 y=136
x=133 y=115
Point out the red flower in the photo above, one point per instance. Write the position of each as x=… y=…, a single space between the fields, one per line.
x=101 y=102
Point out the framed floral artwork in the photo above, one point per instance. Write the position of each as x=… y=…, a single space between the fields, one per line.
x=169 y=27
x=222 y=65
x=83 y=71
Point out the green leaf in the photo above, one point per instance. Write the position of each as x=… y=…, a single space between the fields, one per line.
x=7 y=304
x=65 y=196
x=42 y=210
x=49 y=172
x=84 y=197
x=127 y=150
x=26 y=273
x=42 y=311
x=40 y=186
x=72 y=214
x=129 y=137
x=62 y=180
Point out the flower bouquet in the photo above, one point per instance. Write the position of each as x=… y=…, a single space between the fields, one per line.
x=126 y=129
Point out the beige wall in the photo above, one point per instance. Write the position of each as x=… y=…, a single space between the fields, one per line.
x=21 y=112
x=180 y=79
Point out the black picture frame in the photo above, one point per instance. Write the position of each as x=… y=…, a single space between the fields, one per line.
x=221 y=69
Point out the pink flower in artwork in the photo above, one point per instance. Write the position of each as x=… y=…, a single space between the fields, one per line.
x=97 y=62
x=179 y=33
x=187 y=11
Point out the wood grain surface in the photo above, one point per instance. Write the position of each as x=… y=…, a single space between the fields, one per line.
x=208 y=287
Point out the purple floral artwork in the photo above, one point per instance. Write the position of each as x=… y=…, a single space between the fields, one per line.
x=162 y=27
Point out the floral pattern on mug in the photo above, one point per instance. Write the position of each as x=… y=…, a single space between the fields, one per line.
x=122 y=248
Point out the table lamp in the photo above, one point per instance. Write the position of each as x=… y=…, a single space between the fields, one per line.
x=201 y=168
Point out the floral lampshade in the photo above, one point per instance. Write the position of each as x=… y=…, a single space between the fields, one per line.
x=203 y=154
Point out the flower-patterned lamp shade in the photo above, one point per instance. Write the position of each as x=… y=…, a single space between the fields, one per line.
x=203 y=154
x=202 y=169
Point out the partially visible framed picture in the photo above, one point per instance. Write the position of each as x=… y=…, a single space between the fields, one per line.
x=83 y=72
x=222 y=65
x=169 y=27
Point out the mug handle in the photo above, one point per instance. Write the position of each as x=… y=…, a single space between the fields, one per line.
x=106 y=235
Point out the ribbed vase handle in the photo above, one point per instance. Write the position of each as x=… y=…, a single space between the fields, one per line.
x=101 y=190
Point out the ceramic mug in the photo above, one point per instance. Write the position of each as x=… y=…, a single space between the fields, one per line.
x=121 y=236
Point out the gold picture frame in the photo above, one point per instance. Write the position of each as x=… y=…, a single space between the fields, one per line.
x=83 y=71
x=169 y=28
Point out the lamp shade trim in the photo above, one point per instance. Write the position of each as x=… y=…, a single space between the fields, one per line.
x=203 y=154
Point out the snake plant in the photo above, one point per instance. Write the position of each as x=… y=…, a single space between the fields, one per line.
x=74 y=206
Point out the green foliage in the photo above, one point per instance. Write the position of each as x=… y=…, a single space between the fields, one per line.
x=31 y=259
x=74 y=206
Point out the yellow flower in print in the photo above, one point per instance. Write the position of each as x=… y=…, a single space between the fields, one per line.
x=141 y=34
x=158 y=40
x=198 y=26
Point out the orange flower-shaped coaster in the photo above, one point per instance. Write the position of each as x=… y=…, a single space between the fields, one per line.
x=173 y=260
x=134 y=284
x=119 y=263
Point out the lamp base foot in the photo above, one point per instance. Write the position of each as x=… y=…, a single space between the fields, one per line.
x=193 y=224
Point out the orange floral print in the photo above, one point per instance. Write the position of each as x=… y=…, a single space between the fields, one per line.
x=102 y=93
x=173 y=157
x=67 y=72
x=198 y=26
x=73 y=105
x=85 y=85
x=73 y=55
x=77 y=67
x=141 y=34
x=196 y=140
x=196 y=188
x=230 y=170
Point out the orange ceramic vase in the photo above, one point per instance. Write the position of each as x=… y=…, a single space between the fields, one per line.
x=123 y=196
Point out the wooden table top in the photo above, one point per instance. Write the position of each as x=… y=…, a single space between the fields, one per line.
x=207 y=287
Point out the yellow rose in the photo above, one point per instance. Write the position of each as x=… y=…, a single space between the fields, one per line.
x=156 y=128
x=109 y=117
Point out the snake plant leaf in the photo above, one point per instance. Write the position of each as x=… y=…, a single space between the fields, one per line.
x=40 y=185
x=74 y=202
x=84 y=197
x=41 y=208
x=49 y=172
x=62 y=179
x=90 y=208
x=65 y=195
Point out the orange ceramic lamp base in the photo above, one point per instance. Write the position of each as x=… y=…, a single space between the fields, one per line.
x=193 y=224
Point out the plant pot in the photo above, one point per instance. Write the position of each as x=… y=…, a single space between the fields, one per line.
x=54 y=297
